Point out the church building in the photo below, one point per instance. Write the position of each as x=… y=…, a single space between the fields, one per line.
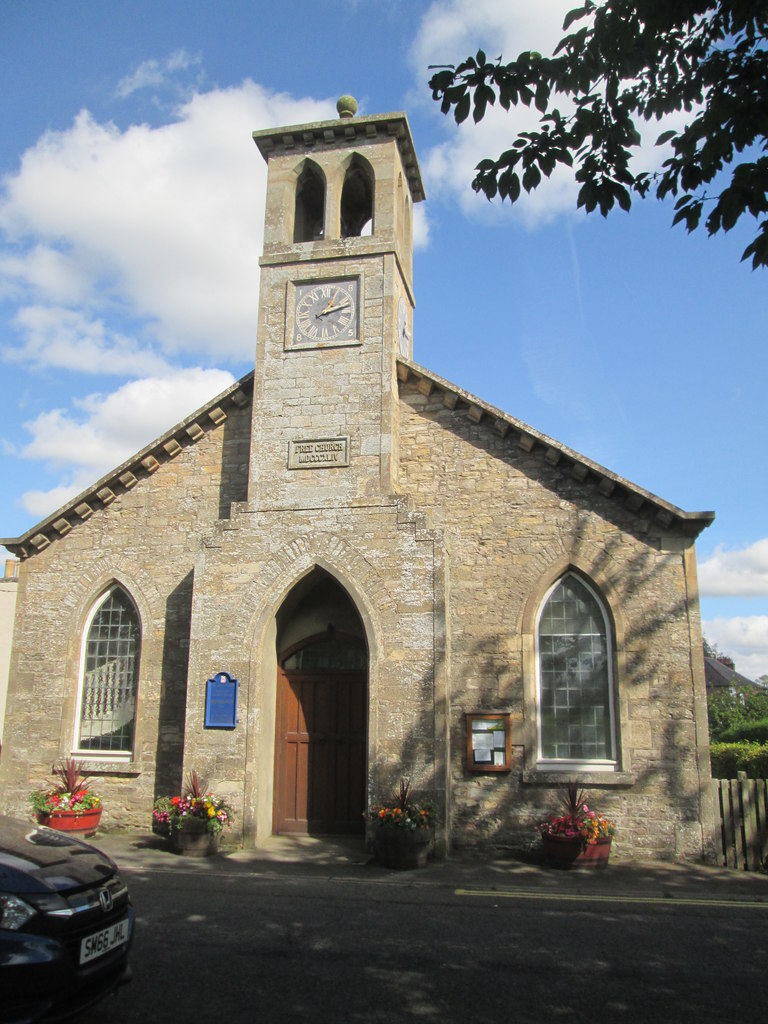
x=345 y=571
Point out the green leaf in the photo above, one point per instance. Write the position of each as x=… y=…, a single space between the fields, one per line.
x=509 y=185
x=462 y=108
x=531 y=178
x=542 y=96
x=623 y=198
x=574 y=15
x=665 y=137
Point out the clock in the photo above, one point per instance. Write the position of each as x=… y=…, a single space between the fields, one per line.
x=325 y=312
x=403 y=335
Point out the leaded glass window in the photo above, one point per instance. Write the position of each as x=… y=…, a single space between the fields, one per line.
x=333 y=653
x=110 y=676
x=575 y=698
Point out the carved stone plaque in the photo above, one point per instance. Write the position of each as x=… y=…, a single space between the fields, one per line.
x=318 y=453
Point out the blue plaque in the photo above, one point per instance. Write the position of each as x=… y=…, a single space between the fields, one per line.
x=221 y=702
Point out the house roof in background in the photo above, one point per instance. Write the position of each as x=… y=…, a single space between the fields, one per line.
x=719 y=675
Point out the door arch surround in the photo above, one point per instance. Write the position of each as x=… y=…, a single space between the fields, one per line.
x=359 y=579
x=320 y=710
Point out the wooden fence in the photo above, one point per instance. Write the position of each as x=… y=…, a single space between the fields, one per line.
x=743 y=834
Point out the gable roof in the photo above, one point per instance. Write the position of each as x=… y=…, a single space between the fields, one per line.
x=719 y=676
x=647 y=508
x=131 y=472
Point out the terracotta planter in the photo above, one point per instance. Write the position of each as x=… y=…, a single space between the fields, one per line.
x=79 y=823
x=194 y=840
x=568 y=852
x=402 y=849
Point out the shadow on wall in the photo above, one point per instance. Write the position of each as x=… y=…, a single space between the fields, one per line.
x=173 y=694
x=498 y=810
x=235 y=454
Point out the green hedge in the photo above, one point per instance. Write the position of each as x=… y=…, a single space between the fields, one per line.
x=752 y=732
x=729 y=758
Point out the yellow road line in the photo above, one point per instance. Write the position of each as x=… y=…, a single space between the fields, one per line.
x=691 y=901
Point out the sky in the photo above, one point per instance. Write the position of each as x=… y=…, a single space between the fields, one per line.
x=131 y=222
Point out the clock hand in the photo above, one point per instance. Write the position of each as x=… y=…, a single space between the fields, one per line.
x=331 y=309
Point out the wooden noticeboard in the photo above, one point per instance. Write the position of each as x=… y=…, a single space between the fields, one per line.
x=489 y=746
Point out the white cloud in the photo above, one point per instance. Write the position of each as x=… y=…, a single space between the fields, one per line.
x=745 y=639
x=452 y=30
x=738 y=573
x=152 y=74
x=64 y=338
x=165 y=222
x=420 y=227
x=108 y=429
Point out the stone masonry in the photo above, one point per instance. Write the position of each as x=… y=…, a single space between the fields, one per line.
x=443 y=520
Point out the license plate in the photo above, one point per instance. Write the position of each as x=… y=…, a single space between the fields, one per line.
x=102 y=942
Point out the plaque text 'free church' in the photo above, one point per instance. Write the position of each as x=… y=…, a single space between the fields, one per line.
x=319 y=453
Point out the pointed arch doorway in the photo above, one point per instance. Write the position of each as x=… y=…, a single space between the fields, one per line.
x=322 y=712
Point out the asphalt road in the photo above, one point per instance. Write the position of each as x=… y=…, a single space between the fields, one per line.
x=227 y=944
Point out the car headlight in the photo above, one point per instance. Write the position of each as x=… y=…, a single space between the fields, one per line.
x=14 y=912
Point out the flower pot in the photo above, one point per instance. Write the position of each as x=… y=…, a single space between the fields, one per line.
x=568 y=852
x=194 y=840
x=79 y=823
x=402 y=849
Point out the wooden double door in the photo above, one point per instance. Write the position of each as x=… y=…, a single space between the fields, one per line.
x=320 y=751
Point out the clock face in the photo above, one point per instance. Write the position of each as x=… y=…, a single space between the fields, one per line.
x=326 y=312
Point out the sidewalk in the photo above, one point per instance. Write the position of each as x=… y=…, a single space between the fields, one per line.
x=345 y=859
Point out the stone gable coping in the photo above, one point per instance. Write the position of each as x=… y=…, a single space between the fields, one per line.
x=126 y=476
x=328 y=135
x=645 y=505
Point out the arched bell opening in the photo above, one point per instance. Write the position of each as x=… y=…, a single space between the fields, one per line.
x=321 y=719
x=357 y=199
x=309 y=214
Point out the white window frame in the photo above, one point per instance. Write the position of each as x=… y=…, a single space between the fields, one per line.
x=121 y=756
x=588 y=764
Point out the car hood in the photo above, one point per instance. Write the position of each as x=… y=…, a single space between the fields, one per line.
x=34 y=859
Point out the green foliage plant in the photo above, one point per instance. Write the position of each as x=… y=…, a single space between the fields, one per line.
x=751 y=732
x=729 y=709
x=728 y=759
x=628 y=62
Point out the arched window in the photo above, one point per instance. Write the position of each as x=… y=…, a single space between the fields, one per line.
x=110 y=674
x=357 y=200
x=575 y=678
x=309 y=216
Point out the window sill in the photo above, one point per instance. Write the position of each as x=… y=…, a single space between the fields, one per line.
x=585 y=777
x=108 y=765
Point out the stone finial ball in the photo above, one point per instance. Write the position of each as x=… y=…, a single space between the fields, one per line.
x=347 y=106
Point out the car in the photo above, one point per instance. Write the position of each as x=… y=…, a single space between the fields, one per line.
x=66 y=924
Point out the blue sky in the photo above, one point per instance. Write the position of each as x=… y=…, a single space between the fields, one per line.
x=131 y=206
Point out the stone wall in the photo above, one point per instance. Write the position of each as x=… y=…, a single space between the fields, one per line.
x=392 y=568
x=447 y=579
x=147 y=539
x=513 y=523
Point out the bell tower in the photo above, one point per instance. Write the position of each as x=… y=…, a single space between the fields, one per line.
x=335 y=309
